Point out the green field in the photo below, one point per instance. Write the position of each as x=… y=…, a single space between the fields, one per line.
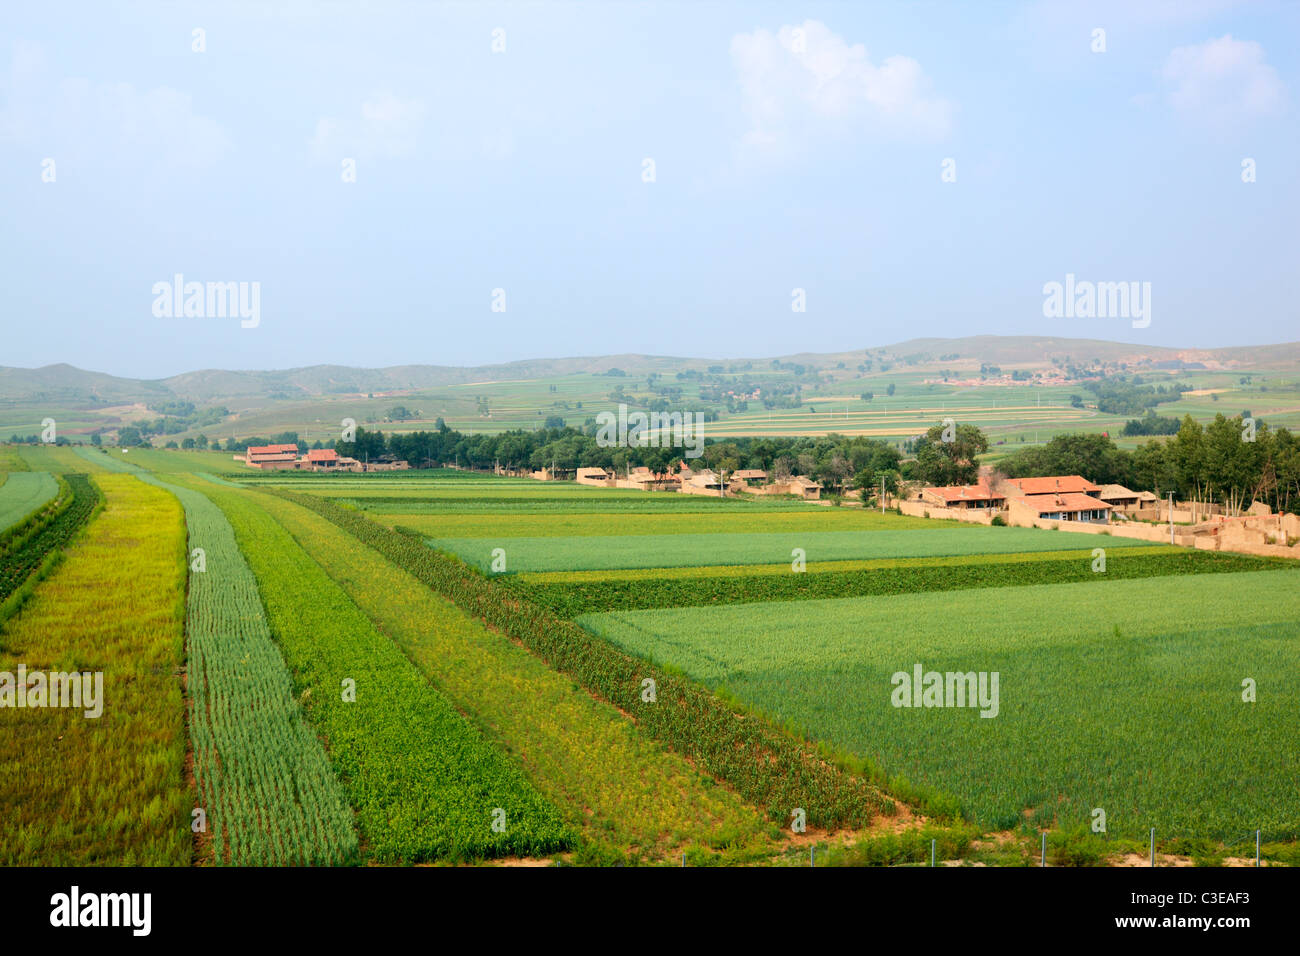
x=22 y=494
x=546 y=524
x=702 y=548
x=1124 y=695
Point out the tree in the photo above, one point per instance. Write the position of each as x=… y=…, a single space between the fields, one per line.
x=1186 y=456
x=940 y=462
x=1095 y=457
x=890 y=390
x=1152 y=470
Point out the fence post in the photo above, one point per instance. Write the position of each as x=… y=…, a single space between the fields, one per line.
x=933 y=841
x=812 y=855
x=1044 y=861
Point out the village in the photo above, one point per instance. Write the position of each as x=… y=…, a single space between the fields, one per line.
x=1073 y=503
x=286 y=457
x=1063 y=502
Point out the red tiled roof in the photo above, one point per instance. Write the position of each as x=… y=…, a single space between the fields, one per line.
x=1053 y=484
x=322 y=454
x=980 y=492
x=1069 y=501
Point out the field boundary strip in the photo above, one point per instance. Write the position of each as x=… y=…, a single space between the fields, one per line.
x=769 y=768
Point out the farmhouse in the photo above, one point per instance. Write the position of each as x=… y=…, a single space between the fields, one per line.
x=965 y=496
x=703 y=482
x=1122 y=499
x=749 y=474
x=382 y=463
x=800 y=485
x=594 y=476
x=323 y=458
x=1053 y=484
x=1066 y=506
x=270 y=457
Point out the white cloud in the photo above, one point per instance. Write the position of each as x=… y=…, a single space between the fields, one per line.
x=386 y=127
x=805 y=80
x=96 y=122
x=1223 y=79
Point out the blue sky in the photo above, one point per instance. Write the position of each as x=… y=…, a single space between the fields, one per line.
x=795 y=145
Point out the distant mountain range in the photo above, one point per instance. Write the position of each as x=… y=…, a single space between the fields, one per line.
x=66 y=384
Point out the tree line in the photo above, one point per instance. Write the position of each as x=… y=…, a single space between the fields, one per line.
x=1230 y=461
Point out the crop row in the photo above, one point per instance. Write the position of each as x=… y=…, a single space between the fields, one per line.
x=425 y=783
x=30 y=550
x=767 y=767
x=573 y=599
x=108 y=789
x=270 y=795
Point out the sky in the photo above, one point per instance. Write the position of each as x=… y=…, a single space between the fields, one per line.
x=464 y=184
